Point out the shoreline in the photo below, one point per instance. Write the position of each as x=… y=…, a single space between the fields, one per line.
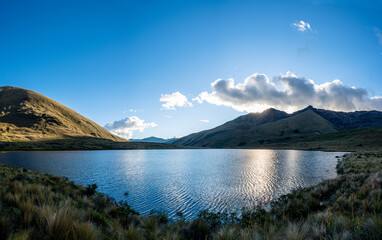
x=176 y=147
x=303 y=211
x=327 y=160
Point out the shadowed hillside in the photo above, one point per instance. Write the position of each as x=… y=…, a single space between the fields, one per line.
x=273 y=128
x=353 y=140
x=349 y=120
x=232 y=130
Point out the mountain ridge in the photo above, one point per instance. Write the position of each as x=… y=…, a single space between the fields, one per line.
x=273 y=126
x=153 y=139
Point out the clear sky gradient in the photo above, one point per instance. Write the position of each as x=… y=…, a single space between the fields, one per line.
x=114 y=60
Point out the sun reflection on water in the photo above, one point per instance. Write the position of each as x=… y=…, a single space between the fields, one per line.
x=186 y=180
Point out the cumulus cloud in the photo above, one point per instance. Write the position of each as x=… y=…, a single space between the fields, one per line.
x=173 y=100
x=205 y=121
x=125 y=127
x=301 y=26
x=291 y=93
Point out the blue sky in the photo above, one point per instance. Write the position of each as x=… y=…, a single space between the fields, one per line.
x=115 y=60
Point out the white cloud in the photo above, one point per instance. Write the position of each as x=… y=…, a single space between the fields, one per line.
x=258 y=93
x=173 y=100
x=301 y=26
x=205 y=121
x=126 y=126
x=132 y=111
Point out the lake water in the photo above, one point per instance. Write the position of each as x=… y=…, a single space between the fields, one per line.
x=185 y=180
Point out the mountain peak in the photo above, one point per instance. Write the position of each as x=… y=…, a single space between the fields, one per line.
x=310 y=107
x=268 y=115
x=271 y=110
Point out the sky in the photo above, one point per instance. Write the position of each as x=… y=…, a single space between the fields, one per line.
x=171 y=68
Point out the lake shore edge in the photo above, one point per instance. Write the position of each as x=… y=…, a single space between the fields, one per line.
x=35 y=205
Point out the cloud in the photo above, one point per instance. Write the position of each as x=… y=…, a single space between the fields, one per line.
x=132 y=111
x=173 y=100
x=258 y=93
x=301 y=26
x=126 y=126
x=205 y=121
x=378 y=34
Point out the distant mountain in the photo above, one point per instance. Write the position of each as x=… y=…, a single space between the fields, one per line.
x=277 y=127
x=154 y=140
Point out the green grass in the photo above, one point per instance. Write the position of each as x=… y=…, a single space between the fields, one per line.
x=365 y=140
x=43 y=206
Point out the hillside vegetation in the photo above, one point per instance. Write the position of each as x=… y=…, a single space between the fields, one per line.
x=42 y=206
x=31 y=121
x=29 y=116
x=365 y=139
x=309 y=128
x=239 y=133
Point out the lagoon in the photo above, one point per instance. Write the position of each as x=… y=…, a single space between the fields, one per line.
x=185 y=180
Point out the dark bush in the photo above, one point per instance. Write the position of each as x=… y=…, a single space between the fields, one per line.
x=91 y=189
x=161 y=215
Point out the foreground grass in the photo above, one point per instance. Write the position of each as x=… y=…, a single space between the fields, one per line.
x=42 y=206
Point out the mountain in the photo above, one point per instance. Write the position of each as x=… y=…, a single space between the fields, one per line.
x=29 y=116
x=351 y=120
x=153 y=139
x=365 y=139
x=274 y=127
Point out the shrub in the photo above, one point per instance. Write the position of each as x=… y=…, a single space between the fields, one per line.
x=91 y=189
x=161 y=215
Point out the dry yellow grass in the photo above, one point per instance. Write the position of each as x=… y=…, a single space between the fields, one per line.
x=29 y=116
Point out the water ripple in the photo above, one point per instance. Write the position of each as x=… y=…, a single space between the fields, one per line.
x=186 y=180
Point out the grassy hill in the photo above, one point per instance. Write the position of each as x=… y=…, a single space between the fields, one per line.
x=31 y=121
x=27 y=115
x=365 y=139
x=351 y=120
x=259 y=129
x=309 y=128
